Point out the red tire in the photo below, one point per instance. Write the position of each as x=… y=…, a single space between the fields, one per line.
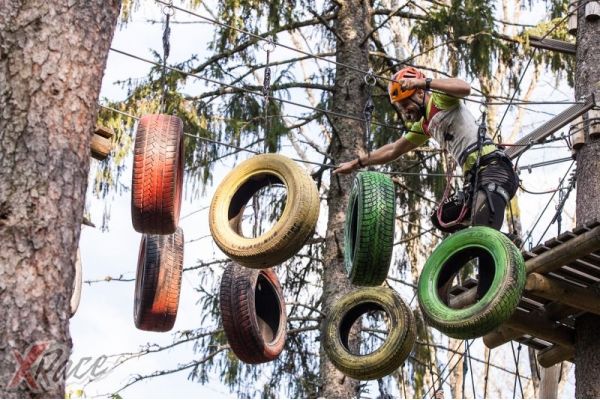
x=253 y=313
x=158 y=281
x=157 y=174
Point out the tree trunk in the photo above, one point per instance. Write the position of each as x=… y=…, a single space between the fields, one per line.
x=348 y=97
x=52 y=56
x=587 y=78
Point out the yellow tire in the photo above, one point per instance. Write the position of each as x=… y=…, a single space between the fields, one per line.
x=396 y=347
x=290 y=232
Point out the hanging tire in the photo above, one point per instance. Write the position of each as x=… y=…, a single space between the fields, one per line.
x=253 y=313
x=501 y=282
x=391 y=354
x=157 y=174
x=77 y=280
x=290 y=232
x=158 y=281
x=369 y=229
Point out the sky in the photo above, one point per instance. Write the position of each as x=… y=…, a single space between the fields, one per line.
x=104 y=324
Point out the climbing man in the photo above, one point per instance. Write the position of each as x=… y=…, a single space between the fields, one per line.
x=432 y=108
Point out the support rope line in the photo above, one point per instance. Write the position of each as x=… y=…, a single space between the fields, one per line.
x=329 y=166
x=530 y=232
x=498 y=133
x=314 y=56
x=517 y=375
x=226 y=85
x=222 y=84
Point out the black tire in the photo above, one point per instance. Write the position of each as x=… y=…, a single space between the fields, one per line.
x=253 y=313
x=157 y=174
x=501 y=281
x=158 y=281
x=369 y=229
x=392 y=353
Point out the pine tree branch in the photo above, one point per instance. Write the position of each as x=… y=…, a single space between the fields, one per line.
x=254 y=40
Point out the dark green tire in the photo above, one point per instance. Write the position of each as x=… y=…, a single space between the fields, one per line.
x=394 y=350
x=501 y=282
x=369 y=229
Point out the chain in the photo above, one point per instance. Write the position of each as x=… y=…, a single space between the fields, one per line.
x=169 y=11
x=266 y=89
x=370 y=82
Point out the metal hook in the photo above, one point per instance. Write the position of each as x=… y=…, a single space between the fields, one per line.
x=168 y=9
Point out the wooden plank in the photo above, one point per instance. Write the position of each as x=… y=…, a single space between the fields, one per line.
x=551 y=126
x=577 y=273
x=560 y=46
x=570 y=278
x=559 y=312
x=586 y=267
x=565 y=253
x=583 y=299
x=554 y=355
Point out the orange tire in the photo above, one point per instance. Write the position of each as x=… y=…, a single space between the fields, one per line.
x=158 y=281
x=157 y=174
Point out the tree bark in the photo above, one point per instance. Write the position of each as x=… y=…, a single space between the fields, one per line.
x=349 y=96
x=587 y=78
x=52 y=56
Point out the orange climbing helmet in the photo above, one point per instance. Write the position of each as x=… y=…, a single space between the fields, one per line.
x=395 y=90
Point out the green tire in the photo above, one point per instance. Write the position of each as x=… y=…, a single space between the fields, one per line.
x=369 y=229
x=501 y=282
x=394 y=350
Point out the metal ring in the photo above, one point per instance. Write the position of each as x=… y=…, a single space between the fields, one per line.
x=269 y=46
x=169 y=10
x=370 y=79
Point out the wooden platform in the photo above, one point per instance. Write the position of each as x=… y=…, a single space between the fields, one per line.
x=563 y=283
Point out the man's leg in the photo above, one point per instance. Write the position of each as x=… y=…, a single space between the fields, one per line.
x=489 y=209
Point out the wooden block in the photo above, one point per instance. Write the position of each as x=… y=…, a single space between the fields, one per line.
x=551 y=289
x=500 y=336
x=104 y=132
x=555 y=354
x=576 y=132
x=100 y=147
x=594 y=123
x=592 y=11
x=572 y=22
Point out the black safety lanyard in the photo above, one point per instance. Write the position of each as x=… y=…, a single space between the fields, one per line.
x=480 y=138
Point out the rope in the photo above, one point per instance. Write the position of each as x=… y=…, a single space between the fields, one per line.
x=328 y=166
x=168 y=11
x=498 y=133
x=545 y=208
x=337 y=63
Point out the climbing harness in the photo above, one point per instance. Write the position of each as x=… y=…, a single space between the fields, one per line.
x=169 y=11
x=266 y=89
x=370 y=81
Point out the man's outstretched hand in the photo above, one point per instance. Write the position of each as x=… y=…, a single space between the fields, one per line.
x=346 y=168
